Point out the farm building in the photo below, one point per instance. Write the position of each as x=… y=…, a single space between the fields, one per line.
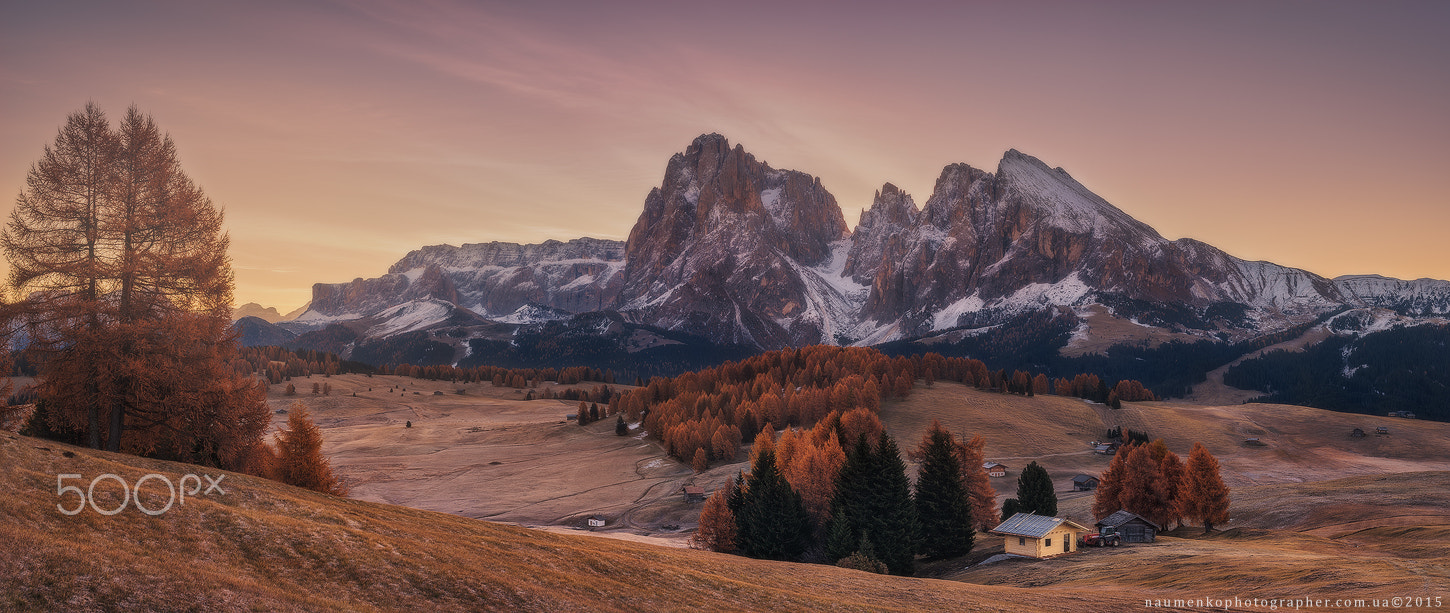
x=1356 y=433
x=995 y=469
x=1037 y=536
x=1084 y=483
x=1131 y=526
x=1106 y=449
x=694 y=493
x=596 y=521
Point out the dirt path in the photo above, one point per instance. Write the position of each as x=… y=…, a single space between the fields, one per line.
x=1214 y=391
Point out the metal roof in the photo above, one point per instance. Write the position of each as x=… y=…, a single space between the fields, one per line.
x=1124 y=516
x=1035 y=526
x=1082 y=478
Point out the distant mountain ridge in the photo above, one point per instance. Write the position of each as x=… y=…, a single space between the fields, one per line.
x=732 y=250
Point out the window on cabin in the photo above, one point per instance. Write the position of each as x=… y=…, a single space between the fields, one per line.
x=1021 y=541
x=1048 y=543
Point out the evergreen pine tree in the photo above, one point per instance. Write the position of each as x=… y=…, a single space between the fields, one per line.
x=1010 y=507
x=773 y=523
x=942 y=505
x=1034 y=492
x=893 y=528
x=841 y=540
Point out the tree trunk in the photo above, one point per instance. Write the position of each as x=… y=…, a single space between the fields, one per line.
x=118 y=420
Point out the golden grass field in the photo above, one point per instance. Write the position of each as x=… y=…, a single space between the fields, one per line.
x=264 y=546
x=1314 y=510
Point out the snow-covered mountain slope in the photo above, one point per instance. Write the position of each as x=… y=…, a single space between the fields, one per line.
x=491 y=279
x=1417 y=297
x=732 y=250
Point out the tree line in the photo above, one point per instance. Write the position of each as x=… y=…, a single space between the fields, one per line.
x=1151 y=481
x=807 y=499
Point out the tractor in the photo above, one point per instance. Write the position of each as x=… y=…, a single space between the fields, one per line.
x=1095 y=539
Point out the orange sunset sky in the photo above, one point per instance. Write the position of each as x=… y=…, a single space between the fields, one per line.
x=341 y=135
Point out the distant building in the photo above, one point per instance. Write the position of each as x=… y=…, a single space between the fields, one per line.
x=596 y=521
x=1036 y=536
x=1402 y=414
x=1382 y=431
x=1357 y=433
x=694 y=493
x=1130 y=526
x=1106 y=449
x=1084 y=483
x=995 y=469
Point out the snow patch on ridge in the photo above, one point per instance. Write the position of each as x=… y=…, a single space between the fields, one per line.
x=410 y=316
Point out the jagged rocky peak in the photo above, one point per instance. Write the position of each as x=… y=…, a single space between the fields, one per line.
x=1059 y=199
x=892 y=213
x=717 y=247
x=478 y=255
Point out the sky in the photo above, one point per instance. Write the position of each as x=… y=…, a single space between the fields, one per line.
x=338 y=136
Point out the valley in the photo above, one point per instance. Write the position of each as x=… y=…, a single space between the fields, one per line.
x=1312 y=508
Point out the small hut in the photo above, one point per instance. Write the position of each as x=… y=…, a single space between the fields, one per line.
x=1357 y=433
x=596 y=521
x=694 y=493
x=1130 y=526
x=995 y=469
x=1037 y=536
x=1084 y=483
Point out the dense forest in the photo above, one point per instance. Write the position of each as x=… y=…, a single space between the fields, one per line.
x=1402 y=369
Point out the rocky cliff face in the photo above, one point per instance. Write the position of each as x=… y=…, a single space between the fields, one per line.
x=491 y=279
x=1029 y=236
x=732 y=250
x=721 y=246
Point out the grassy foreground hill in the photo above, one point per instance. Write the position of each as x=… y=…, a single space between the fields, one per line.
x=267 y=546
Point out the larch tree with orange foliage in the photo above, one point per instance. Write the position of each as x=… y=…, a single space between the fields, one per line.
x=1172 y=473
x=1143 y=490
x=978 y=484
x=299 y=455
x=812 y=473
x=1107 y=496
x=717 y=531
x=1205 y=497
x=123 y=262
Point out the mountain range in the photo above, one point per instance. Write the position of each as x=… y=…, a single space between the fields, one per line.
x=736 y=253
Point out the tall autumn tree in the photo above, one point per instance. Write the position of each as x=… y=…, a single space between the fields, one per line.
x=1205 y=497
x=299 y=455
x=1107 y=496
x=978 y=484
x=717 y=524
x=1172 y=472
x=54 y=247
x=942 y=504
x=1143 y=489
x=123 y=264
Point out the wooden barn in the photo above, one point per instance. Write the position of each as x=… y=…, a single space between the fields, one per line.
x=694 y=493
x=995 y=469
x=1084 y=483
x=1130 y=526
x=596 y=521
x=1037 y=536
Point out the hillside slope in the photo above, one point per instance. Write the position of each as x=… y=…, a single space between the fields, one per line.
x=266 y=546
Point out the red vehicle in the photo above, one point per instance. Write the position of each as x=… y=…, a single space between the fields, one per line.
x=1094 y=539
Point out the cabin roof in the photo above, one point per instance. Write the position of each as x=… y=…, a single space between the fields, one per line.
x=1035 y=526
x=1124 y=516
x=1084 y=478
